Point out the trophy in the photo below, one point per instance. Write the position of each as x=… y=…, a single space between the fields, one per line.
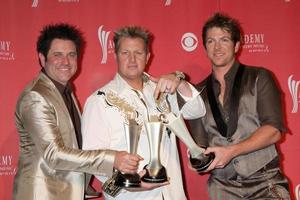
x=176 y=124
x=132 y=133
x=198 y=159
x=155 y=171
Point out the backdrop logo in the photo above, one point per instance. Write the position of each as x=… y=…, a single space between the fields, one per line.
x=297 y=192
x=293 y=88
x=189 y=42
x=255 y=43
x=107 y=45
x=6 y=167
x=5 y=51
x=34 y=3
x=168 y=2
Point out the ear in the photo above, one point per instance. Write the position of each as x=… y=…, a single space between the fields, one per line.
x=148 y=57
x=42 y=59
x=237 y=47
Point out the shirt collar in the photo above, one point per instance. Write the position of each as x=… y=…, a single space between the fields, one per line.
x=61 y=88
x=122 y=85
x=229 y=76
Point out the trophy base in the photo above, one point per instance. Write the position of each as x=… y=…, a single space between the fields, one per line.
x=127 y=180
x=202 y=164
x=159 y=178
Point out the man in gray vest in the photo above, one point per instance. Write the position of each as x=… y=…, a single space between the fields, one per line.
x=243 y=120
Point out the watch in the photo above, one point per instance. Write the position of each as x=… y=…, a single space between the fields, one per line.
x=180 y=75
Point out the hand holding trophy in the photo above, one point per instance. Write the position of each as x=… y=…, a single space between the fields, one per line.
x=176 y=124
x=132 y=130
x=119 y=179
x=132 y=133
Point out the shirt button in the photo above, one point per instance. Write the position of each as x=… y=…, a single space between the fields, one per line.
x=227 y=119
x=229 y=139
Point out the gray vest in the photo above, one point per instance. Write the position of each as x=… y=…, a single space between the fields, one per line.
x=207 y=133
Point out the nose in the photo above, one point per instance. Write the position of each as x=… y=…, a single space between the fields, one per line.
x=217 y=45
x=65 y=60
x=132 y=58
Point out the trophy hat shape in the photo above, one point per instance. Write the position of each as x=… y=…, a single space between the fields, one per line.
x=132 y=133
x=176 y=124
x=155 y=171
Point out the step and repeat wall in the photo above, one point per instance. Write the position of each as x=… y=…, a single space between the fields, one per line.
x=271 y=39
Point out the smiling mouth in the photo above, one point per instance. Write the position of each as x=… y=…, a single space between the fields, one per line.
x=218 y=55
x=64 y=69
x=132 y=66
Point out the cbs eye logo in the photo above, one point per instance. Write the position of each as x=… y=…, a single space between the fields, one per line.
x=189 y=42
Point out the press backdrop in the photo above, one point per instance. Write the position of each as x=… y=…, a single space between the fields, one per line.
x=271 y=39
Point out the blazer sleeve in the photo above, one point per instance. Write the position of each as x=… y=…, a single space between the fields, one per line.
x=39 y=117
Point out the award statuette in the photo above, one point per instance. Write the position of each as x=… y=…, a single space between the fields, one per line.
x=119 y=180
x=155 y=171
x=198 y=159
x=132 y=132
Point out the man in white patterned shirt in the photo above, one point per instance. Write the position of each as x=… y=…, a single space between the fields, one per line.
x=102 y=123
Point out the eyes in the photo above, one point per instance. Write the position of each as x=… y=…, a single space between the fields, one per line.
x=60 y=55
x=127 y=53
x=221 y=41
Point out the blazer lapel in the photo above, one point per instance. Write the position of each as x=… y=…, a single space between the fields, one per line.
x=61 y=106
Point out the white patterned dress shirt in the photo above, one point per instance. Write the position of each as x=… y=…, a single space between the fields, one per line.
x=103 y=128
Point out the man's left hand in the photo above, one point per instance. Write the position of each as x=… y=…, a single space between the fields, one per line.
x=169 y=84
x=223 y=155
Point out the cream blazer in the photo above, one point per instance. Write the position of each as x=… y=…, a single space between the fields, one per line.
x=51 y=167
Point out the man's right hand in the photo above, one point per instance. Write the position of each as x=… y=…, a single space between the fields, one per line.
x=126 y=162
